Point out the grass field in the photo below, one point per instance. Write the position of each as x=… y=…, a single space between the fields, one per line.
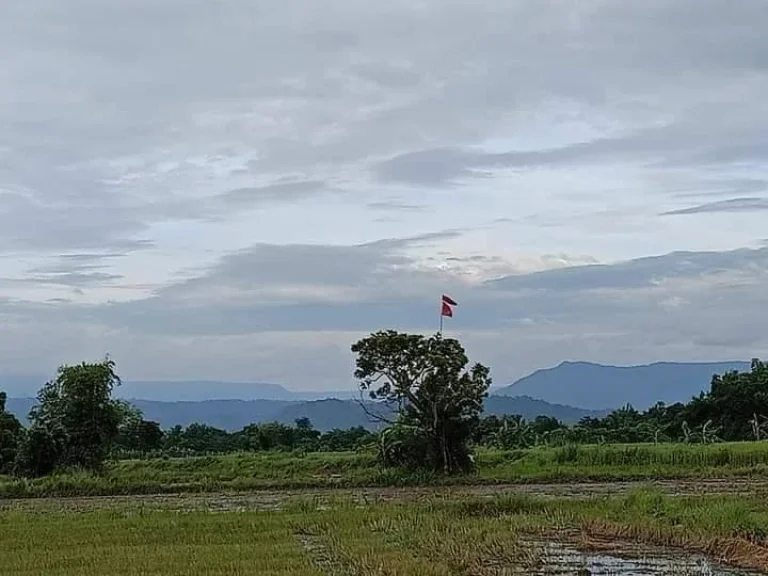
x=446 y=535
x=259 y=471
x=216 y=515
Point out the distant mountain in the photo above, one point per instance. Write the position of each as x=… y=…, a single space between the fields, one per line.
x=199 y=390
x=529 y=408
x=308 y=395
x=224 y=414
x=183 y=390
x=20 y=385
x=324 y=414
x=599 y=387
x=568 y=392
x=196 y=390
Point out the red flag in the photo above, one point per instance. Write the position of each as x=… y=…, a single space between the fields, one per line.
x=448 y=300
x=448 y=304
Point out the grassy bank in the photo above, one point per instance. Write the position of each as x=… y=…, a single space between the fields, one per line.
x=436 y=537
x=256 y=471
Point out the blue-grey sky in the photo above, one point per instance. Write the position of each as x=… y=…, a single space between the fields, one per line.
x=239 y=189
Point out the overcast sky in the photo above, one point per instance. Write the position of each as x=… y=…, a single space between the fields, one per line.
x=239 y=189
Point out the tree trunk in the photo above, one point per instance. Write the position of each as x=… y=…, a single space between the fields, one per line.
x=446 y=455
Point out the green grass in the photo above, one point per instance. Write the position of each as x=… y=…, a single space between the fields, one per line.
x=441 y=536
x=132 y=542
x=256 y=471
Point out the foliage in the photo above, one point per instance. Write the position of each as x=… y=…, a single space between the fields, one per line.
x=439 y=400
x=512 y=431
x=76 y=423
x=198 y=439
x=402 y=445
x=75 y=420
x=734 y=409
x=133 y=432
x=735 y=399
x=11 y=434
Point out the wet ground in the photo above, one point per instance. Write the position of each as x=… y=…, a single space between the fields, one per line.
x=274 y=500
x=560 y=559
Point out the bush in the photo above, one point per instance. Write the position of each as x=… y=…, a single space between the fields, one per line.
x=408 y=447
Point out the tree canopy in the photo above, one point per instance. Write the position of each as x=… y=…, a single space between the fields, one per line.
x=11 y=432
x=439 y=399
x=75 y=420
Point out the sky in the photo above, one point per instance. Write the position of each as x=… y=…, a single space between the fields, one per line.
x=240 y=189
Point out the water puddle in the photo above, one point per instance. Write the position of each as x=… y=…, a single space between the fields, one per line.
x=557 y=559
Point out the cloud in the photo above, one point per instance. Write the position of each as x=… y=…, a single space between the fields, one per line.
x=395 y=206
x=310 y=302
x=639 y=273
x=438 y=166
x=674 y=145
x=239 y=189
x=285 y=191
x=732 y=205
x=31 y=224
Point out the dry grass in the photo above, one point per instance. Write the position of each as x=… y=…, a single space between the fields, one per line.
x=739 y=551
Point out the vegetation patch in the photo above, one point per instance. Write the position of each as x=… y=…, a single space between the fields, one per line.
x=430 y=397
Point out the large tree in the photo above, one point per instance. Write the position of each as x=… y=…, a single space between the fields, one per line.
x=438 y=399
x=75 y=420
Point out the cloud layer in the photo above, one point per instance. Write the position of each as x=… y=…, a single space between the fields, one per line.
x=240 y=189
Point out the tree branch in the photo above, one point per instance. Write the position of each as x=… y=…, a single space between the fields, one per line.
x=373 y=417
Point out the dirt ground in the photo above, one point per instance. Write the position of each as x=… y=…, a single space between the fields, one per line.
x=274 y=500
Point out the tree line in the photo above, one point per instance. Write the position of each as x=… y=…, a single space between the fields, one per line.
x=77 y=424
x=437 y=401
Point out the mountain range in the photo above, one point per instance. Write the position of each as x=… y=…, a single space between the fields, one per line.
x=601 y=387
x=568 y=392
x=324 y=414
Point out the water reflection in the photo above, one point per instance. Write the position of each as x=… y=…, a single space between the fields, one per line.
x=560 y=559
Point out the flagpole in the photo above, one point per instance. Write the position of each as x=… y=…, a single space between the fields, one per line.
x=441 y=321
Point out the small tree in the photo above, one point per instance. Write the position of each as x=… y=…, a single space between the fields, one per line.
x=305 y=434
x=438 y=400
x=135 y=433
x=11 y=432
